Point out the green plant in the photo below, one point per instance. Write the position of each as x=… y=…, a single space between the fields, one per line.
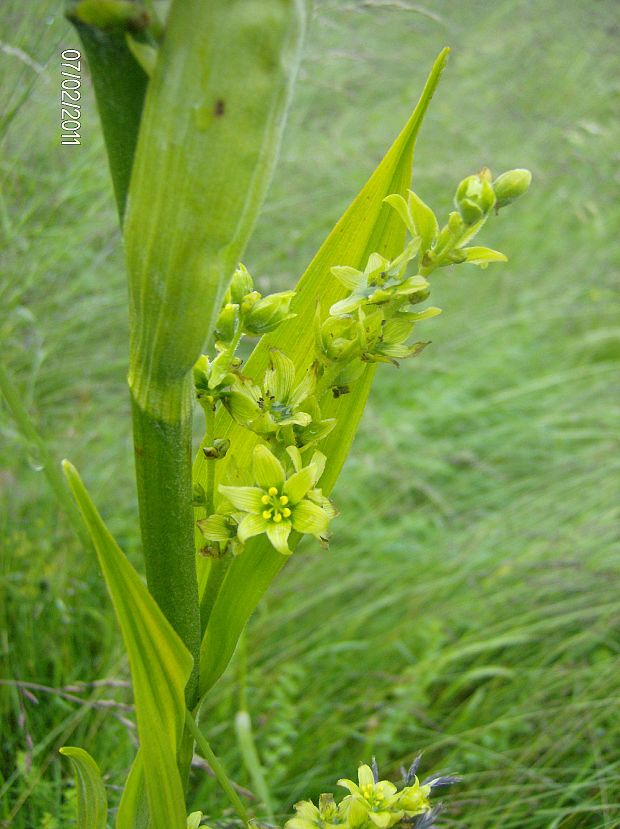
x=256 y=480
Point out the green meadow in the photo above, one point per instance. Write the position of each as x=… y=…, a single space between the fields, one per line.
x=468 y=605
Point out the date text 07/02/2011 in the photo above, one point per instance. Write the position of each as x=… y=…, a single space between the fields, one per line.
x=70 y=110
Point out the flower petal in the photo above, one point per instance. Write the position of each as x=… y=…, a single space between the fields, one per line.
x=348 y=784
x=350 y=277
x=309 y=518
x=385 y=819
x=375 y=263
x=318 y=462
x=216 y=527
x=251 y=525
x=299 y=823
x=299 y=483
x=245 y=498
x=295 y=456
x=386 y=788
x=296 y=419
x=278 y=535
x=365 y=776
x=267 y=468
x=346 y=306
x=303 y=390
x=242 y=403
x=326 y=505
x=307 y=809
x=382 y=819
x=412 y=285
x=280 y=375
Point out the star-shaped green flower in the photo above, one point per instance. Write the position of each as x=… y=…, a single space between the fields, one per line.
x=414 y=799
x=377 y=797
x=324 y=816
x=277 y=404
x=381 y=281
x=278 y=504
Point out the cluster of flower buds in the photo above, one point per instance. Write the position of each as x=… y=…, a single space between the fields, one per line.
x=373 y=803
x=246 y=311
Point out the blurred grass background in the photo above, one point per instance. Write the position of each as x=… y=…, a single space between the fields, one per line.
x=469 y=604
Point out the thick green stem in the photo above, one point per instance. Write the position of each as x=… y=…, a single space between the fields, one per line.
x=163 y=451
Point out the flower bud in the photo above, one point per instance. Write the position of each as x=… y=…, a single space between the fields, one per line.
x=199 y=496
x=249 y=301
x=338 y=338
x=509 y=186
x=241 y=284
x=226 y=325
x=202 y=371
x=267 y=313
x=474 y=198
x=218 y=450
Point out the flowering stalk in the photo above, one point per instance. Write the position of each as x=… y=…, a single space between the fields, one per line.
x=372 y=324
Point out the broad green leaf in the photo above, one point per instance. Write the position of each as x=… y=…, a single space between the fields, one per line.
x=367 y=226
x=160 y=667
x=92 y=801
x=209 y=137
x=483 y=256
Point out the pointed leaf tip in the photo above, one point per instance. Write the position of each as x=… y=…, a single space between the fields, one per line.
x=92 y=801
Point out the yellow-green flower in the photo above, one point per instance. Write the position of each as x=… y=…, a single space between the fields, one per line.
x=308 y=816
x=414 y=799
x=381 y=281
x=278 y=504
x=277 y=404
x=377 y=797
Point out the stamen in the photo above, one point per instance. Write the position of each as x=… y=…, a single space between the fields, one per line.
x=286 y=512
x=267 y=513
x=272 y=490
x=265 y=499
x=277 y=518
x=283 y=500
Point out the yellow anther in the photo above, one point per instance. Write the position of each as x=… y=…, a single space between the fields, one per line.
x=265 y=499
x=267 y=513
x=272 y=490
x=277 y=518
x=283 y=500
x=286 y=512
